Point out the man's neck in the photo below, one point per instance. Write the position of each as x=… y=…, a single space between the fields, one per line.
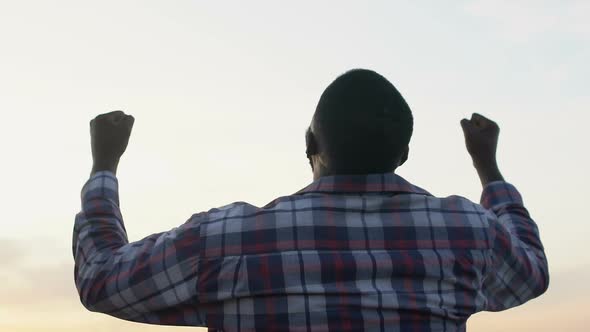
x=318 y=174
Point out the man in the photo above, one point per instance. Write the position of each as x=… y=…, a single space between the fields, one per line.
x=358 y=249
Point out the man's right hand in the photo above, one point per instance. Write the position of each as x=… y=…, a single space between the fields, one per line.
x=481 y=139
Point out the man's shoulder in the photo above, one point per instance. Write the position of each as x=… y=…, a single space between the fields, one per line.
x=460 y=211
x=457 y=202
x=241 y=210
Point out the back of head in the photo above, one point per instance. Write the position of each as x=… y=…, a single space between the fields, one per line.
x=362 y=124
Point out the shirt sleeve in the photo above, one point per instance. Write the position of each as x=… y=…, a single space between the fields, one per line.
x=518 y=270
x=151 y=281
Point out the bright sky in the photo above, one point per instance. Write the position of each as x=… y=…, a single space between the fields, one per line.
x=222 y=93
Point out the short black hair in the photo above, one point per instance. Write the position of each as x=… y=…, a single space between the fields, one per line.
x=363 y=123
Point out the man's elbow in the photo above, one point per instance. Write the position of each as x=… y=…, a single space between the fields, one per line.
x=92 y=294
x=543 y=283
x=538 y=281
x=88 y=298
x=94 y=297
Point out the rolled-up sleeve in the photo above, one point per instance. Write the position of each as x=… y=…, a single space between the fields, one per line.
x=152 y=280
x=518 y=266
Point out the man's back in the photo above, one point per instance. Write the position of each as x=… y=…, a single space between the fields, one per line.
x=346 y=253
x=358 y=249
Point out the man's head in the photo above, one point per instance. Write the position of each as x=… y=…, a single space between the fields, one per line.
x=361 y=125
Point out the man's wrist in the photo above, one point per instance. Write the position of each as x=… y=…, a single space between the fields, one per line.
x=489 y=173
x=110 y=166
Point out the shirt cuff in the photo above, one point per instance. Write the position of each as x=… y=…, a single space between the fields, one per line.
x=499 y=193
x=101 y=185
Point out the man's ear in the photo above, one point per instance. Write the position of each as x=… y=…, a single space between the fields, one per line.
x=311 y=145
x=404 y=155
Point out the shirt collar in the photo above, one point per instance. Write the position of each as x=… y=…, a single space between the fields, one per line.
x=364 y=183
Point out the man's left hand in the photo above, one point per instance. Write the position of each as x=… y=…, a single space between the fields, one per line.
x=109 y=136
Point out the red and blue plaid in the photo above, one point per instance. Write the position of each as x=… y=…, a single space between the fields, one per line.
x=346 y=253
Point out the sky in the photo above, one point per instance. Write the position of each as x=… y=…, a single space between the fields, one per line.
x=222 y=93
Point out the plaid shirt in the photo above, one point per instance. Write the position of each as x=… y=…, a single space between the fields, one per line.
x=346 y=253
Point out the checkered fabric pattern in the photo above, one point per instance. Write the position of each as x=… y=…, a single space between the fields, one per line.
x=346 y=253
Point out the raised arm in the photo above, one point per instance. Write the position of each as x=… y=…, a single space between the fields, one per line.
x=518 y=270
x=152 y=280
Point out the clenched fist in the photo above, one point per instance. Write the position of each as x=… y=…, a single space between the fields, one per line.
x=109 y=136
x=481 y=140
